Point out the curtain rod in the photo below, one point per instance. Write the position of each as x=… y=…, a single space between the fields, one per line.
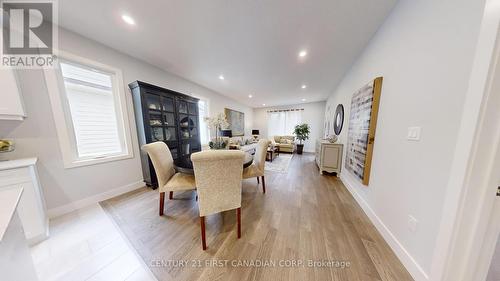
x=282 y=110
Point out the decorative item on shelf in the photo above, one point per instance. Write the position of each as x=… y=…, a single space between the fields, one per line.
x=332 y=138
x=301 y=133
x=155 y=122
x=6 y=146
x=255 y=134
x=218 y=123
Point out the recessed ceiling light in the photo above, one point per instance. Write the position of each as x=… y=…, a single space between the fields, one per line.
x=303 y=99
x=263 y=104
x=250 y=96
x=221 y=77
x=302 y=53
x=128 y=19
x=303 y=86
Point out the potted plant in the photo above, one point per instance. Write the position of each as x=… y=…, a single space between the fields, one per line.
x=301 y=133
x=218 y=123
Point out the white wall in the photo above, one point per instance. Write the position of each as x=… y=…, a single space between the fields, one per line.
x=424 y=51
x=313 y=114
x=36 y=136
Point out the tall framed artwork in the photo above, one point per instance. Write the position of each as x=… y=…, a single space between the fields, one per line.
x=236 y=121
x=361 y=133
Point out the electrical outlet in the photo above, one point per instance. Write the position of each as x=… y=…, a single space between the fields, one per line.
x=414 y=133
x=412 y=224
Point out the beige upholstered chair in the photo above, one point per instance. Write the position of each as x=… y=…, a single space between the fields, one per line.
x=218 y=178
x=256 y=170
x=168 y=179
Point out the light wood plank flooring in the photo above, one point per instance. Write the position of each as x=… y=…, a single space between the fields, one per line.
x=303 y=216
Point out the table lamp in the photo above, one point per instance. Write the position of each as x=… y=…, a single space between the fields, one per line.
x=255 y=134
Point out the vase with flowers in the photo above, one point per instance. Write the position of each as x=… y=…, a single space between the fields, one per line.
x=219 y=122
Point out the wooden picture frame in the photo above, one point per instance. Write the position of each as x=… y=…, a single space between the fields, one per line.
x=362 y=127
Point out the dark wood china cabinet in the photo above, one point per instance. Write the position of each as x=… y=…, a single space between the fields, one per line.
x=165 y=115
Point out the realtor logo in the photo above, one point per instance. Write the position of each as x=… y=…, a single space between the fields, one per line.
x=28 y=34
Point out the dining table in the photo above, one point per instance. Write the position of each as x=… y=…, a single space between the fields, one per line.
x=184 y=165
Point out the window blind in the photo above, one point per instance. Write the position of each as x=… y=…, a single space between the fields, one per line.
x=91 y=102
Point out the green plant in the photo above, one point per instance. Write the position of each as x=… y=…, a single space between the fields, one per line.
x=302 y=132
x=217 y=145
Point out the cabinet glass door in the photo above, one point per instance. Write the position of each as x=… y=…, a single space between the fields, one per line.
x=157 y=134
x=182 y=107
x=170 y=134
x=153 y=102
x=167 y=104
x=168 y=119
x=155 y=118
x=192 y=108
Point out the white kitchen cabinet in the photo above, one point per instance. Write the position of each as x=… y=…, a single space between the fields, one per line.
x=31 y=209
x=16 y=263
x=11 y=103
x=329 y=156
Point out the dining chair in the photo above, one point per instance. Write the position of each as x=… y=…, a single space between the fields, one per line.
x=168 y=179
x=218 y=175
x=256 y=170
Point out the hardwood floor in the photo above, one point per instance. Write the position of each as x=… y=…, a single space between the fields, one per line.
x=302 y=217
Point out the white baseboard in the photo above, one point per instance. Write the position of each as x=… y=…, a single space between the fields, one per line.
x=64 y=209
x=406 y=259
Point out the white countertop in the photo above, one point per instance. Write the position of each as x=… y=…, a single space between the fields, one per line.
x=9 y=198
x=17 y=163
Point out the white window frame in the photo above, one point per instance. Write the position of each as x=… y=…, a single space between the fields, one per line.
x=62 y=115
x=207 y=104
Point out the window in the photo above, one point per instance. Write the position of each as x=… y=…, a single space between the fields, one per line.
x=203 y=113
x=282 y=122
x=89 y=110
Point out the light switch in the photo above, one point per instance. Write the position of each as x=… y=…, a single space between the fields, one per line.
x=414 y=133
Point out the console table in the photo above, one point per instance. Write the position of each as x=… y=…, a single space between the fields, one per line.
x=329 y=156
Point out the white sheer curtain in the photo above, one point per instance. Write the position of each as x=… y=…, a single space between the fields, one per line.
x=281 y=123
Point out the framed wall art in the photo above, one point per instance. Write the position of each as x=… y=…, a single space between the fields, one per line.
x=361 y=133
x=236 y=121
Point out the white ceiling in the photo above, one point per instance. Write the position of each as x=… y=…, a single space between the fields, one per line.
x=253 y=43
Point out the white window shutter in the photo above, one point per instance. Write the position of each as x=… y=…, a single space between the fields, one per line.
x=91 y=101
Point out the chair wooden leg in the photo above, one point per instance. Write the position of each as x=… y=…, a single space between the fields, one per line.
x=238 y=218
x=258 y=180
x=171 y=195
x=162 y=202
x=203 y=241
x=263 y=185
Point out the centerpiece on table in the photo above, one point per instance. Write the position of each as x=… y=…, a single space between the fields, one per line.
x=218 y=123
